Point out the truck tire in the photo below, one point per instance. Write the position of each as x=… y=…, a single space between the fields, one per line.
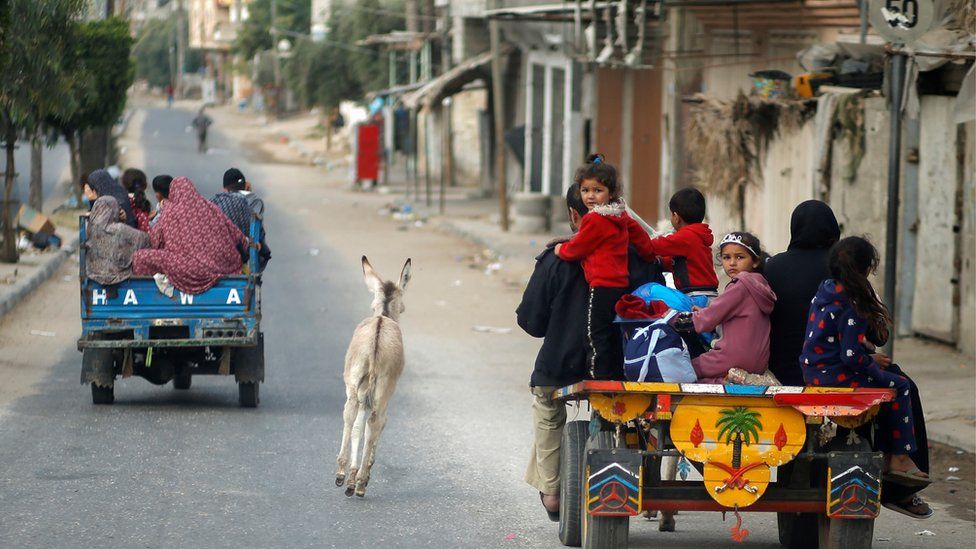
x=182 y=380
x=572 y=456
x=248 y=394
x=845 y=533
x=798 y=530
x=248 y=362
x=603 y=532
x=102 y=395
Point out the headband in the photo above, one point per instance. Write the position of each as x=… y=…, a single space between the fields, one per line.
x=733 y=238
x=597 y=160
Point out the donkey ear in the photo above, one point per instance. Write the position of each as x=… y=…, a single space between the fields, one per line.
x=373 y=280
x=404 y=275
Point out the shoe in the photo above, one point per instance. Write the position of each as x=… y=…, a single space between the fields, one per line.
x=553 y=515
x=162 y=283
x=914 y=507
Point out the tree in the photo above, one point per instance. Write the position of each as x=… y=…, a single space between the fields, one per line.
x=33 y=84
x=255 y=34
x=738 y=425
x=151 y=53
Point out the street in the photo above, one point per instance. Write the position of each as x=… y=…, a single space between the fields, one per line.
x=164 y=468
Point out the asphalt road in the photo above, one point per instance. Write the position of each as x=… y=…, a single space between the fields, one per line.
x=165 y=468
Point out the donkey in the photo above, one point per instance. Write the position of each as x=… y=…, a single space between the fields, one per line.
x=374 y=362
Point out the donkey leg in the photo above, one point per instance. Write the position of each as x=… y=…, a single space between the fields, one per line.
x=357 y=436
x=666 y=522
x=348 y=416
x=374 y=428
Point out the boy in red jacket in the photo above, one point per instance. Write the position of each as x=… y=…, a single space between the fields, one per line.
x=687 y=252
x=601 y=247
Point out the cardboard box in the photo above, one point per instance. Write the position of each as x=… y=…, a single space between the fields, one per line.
x=34 y=221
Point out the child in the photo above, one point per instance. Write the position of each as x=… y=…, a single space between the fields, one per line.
x=687 y=252
x=742 y=310
x=845 y=317
x=134 y=183
x=601 y=246
x=160 y=185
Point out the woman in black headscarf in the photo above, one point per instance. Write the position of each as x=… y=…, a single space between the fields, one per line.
x=100 y=183
x=794 y=276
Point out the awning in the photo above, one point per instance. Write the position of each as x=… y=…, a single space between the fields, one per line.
x=553 y=13
x=398 y=40
x=451 y=81
x=395 y=90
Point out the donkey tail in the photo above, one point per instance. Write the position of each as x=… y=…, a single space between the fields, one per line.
x=367 y=384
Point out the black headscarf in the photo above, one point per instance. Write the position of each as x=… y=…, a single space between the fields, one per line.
x=105 y=185
x=813 y=226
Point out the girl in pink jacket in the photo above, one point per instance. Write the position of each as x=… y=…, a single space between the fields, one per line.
x=742 y=310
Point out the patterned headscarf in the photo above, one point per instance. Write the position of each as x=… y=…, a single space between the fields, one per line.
x=236 y=208
x=109 y=244
x=105 y=185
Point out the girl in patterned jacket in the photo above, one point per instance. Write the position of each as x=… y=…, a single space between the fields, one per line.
x=846 y=322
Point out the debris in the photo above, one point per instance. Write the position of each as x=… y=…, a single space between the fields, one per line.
x=953 y=469
x=491 y=330
x=457 y=283
x=959 y=452
x=418 y=223
x=951 y=478
x=67 y=278
x=492 y=268
x=42 y=333
x=313 y=252
x=883 y=539
x=510 y=536
x=925 y=533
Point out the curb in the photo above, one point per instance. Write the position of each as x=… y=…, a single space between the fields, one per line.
x=448 y=226
x=954 y=441
x=24 y=287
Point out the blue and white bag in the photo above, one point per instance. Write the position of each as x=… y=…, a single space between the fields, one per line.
x=653 y=351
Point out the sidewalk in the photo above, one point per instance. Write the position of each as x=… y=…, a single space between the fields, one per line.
x=946 y=378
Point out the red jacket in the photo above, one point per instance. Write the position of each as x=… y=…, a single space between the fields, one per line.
x=601 y=246
x=688 y=254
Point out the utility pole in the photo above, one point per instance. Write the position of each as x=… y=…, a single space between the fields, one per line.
x=498 y=104
x=180 y=47
x=275 y=62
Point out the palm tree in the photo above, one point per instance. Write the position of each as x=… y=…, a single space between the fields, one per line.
x=738 y=425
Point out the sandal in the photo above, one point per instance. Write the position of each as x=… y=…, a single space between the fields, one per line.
x=915 y=507
x=908 y=478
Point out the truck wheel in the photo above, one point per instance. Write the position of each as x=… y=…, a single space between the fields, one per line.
x=102 y=395
x=603 y=532
x=182 y=380
x=572 y=453
x=797 y=530
x=248 y=394
x=845 y=533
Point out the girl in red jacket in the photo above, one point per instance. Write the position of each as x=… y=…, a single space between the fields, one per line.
x=601 y=246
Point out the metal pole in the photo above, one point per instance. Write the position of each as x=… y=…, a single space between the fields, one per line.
x=898 y=63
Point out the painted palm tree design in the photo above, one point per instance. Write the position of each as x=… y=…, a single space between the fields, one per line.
x=738 y=425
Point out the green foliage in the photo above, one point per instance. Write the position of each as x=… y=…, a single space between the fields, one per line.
x=103 y=46
x=255 y=35
x=336 y=69
x=153 y=61
x=33 y=82
x=739 y=423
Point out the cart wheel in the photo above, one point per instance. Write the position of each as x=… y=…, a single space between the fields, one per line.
x=603 y=532
x=102 y=395
x=248 y=394
x=183 y=379
x=797 y=530
x=572 y=453
x=845 y=533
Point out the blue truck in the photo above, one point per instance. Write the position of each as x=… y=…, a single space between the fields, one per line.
x=134 y=329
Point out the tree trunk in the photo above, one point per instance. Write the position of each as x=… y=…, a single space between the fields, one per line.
x=74 y=160
x=737 y=451
x=8 y=251
x=94 y=145
x=36 y=192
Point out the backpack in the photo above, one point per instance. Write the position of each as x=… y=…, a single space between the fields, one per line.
x=653 y=351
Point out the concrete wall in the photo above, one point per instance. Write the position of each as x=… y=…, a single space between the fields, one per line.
x=466 y=139
x=967 y=277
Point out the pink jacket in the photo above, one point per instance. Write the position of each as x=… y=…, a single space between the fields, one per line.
x=743 y=311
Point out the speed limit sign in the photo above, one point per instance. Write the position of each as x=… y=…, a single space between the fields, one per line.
x=902 y=21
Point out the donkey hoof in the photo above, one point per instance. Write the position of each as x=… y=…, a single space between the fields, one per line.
x=361 y=494
x=340 y=479
x=350 y=490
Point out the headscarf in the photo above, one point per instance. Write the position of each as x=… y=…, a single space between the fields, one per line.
x=105 y=185
x=236 y=208
x=813 y=226
x=110 y=244
x=202 y=241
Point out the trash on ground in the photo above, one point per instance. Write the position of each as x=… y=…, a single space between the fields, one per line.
x=882 y=539
x=925 y=533
x=510 y=536
x=952 y=478
x=457 y=283
x=491 y=330
x=959 y=452
x=313 y=252
x=43 y=333
x=953 y=469
x=492 y=268
x=67 y=278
